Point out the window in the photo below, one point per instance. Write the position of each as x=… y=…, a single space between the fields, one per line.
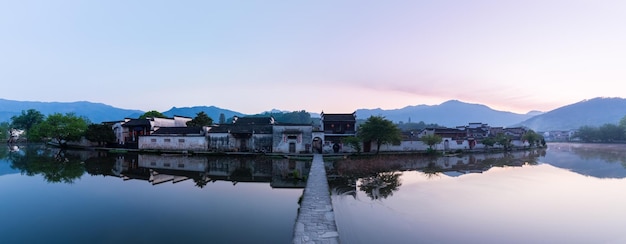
x=181 y=165
x=166 y=164
x=181 y=140
x=152 y=163
x=166 y=140
x=153 y=140
x=292 y=137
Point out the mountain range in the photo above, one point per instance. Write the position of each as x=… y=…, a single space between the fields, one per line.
x=593 y=112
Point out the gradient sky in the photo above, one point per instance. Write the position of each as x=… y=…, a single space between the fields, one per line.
x=323 y=55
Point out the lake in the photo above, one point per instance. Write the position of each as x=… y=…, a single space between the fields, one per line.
x=568 y=193
x=83 y=197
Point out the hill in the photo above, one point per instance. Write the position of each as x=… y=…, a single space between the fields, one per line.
x=451 y=113
x=211 y=111
x=593 y=112
x=95 y=112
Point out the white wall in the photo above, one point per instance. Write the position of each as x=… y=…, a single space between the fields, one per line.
x=173 y=142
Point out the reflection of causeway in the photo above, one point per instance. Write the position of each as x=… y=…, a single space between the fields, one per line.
x=157 y=169
x=378 y=177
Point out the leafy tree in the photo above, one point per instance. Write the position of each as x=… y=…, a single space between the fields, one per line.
x=27 y=119
x=622 y=123
x=380 y=130
x=587 y=133
x=62 y=128
x=152 y=114
x=504 y=141
x=489 y=142
x=354 y=142
x=4 y=130
x=532 y=137
x=201 y=119
x=431 y=140
x=611 y=133
x=100 y=133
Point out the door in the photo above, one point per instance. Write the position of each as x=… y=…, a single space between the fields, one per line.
x=292 y=147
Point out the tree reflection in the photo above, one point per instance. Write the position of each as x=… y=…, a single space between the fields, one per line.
x=381 y=185
x=432 y=170
x=53 y=164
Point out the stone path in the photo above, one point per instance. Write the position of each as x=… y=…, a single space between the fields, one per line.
x=316 y=219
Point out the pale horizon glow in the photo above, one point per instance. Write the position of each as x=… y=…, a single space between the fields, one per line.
x=328 y=56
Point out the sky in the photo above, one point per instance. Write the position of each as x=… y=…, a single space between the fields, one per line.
x=324 y=55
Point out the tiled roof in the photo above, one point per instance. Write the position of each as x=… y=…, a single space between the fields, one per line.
x=338 y=117
x=178 y=131
x=137 y=122
x=238 y=128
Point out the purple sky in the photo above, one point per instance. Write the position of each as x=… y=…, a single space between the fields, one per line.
x=335 y=56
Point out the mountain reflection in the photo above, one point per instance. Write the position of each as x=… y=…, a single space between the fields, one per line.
x=67 y=166
x=595 y=160
x=380 y=176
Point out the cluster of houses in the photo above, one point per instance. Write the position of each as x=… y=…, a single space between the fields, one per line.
x=264 y=134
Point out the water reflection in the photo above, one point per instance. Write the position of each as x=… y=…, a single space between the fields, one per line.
x=539 y=196
x=380 y=176
x=53 y=164
x=67 y=166
x=596 y=160
x=113 y=198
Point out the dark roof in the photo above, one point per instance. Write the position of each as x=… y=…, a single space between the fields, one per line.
x=178 y=131
x=245 y=128
x=338 y=117
x=137 y=122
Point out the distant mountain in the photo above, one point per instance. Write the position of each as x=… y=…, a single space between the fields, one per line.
x=95 y=112
x=593 y=112
x=451 y=113
x=211 y=111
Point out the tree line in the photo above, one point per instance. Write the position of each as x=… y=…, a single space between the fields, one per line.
x=61 y=128
x=604 y=133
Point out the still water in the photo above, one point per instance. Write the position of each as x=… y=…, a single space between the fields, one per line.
x=47 y=196
x=569 y=193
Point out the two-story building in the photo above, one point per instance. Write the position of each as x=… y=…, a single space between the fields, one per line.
x=336 y=127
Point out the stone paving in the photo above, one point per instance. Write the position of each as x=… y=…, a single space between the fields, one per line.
x=316 y=219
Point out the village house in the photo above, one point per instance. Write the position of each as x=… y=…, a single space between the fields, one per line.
x=264 y=134
x=336 y=127
x=245 y=134
x=175 y=139
x=127 y=132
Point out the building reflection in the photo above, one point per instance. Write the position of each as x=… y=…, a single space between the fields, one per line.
x=379 y=176
x=158 y=169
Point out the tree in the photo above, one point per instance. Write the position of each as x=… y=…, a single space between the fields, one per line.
x=152 y=114
x=489 y=142
x=504 y=141
x=27 y=119
x=4 y=130
x=62 y=128
x=611 y=133
x=431 y=140
x=354 y=142
x=100 y=133
x=201 y=119
x=380 y=130
x=532 y=137
x=587 y=133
